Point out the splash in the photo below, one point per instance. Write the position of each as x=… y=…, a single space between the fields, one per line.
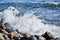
x=28 y=22
x=10 y=15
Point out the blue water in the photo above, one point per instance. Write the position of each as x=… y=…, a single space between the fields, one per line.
x=50 y=12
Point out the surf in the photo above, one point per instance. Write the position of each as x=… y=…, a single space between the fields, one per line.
x=28 y=22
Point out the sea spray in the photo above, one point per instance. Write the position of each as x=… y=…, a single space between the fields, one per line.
x=10 y=15
x=28 y=22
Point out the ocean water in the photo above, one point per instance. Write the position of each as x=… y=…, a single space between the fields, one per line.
x=34 y=18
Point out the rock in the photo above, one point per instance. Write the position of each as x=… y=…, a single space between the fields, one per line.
x=57 y=39
x=2 y=26
x=37 y=37
x=41 y=38
x=6 y=37
x=13 y=34
x=1 y=36
x=48 y=36
x=2 y=20
x=3 y=31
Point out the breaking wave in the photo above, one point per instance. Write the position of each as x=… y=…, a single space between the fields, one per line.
x=28 y=22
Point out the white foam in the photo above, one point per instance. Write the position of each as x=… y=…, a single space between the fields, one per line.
x=28 y=23
x=10 y=15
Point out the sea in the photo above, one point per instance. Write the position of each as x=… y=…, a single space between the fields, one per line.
x=33 y=18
